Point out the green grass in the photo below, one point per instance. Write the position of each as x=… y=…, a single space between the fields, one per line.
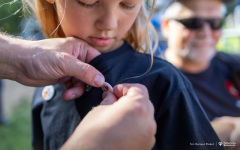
x=17 y=135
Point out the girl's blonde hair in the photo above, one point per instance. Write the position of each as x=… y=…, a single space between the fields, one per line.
x=141 y=35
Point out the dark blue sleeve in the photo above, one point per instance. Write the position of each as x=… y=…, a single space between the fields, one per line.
x=183 y=124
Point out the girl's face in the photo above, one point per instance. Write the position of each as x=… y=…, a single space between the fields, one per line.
x=101 y=23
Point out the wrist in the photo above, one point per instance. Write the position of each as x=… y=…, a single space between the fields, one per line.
x=7 y=70
x=11 y=53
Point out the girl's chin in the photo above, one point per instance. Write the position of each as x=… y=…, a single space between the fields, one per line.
x=109 y=48
x=103 y=49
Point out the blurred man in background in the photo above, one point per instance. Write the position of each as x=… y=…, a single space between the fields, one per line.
x=193 y=28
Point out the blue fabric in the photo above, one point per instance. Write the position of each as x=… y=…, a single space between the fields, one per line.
x=179 y=116
x=210 y=87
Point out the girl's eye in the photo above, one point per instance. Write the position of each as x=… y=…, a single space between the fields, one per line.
x=87 y=5
x=127 y=6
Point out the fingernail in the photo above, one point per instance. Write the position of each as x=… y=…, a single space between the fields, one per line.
x=104 y=95
x=73 y=97
x=99 y=80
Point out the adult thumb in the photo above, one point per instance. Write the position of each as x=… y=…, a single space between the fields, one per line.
x=108 y=98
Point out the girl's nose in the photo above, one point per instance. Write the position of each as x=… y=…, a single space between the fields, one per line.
x=107 y=21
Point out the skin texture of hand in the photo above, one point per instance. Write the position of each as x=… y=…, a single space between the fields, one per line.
x=123 y=121
x=51 y=61
x=228 y=130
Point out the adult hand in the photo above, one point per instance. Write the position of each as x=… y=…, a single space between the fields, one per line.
x=127 y=124
x=227 y=128
x=51 y=61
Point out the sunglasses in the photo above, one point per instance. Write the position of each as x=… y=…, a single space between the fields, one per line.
x=197 y=23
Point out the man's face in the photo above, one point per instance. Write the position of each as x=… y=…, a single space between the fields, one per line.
x=197 y=45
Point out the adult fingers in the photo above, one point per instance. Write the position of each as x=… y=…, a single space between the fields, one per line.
x=74 y=92
x=74 y=63
x=130 y=90
x=82 y=71
x=87 y=53
x=137 y=95
x=108 y=98
x=152 y=142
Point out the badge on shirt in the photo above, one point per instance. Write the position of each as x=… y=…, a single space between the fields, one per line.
x=48 y=92
x=232 y=89
x=234 y=92
x=107 y=87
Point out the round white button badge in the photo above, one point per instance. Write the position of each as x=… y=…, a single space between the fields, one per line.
x=48 y=92
x=107 y=87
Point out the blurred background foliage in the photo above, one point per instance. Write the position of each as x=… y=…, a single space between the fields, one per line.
x=17 y=135
x=11 y=16
x=230 y=40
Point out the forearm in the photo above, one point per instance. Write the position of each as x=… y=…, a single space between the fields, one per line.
x=10 y=53
x=50 y=61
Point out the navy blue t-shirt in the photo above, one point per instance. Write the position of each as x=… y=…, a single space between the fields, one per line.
x=214 y=89
x=181 y=121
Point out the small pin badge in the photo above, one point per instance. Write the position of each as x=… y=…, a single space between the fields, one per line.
x=107 y=87
x=48 y=92
x=88 y=88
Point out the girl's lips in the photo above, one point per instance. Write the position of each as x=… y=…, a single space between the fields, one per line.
x=101 y=41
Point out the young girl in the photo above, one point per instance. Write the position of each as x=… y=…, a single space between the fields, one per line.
x=117 y=29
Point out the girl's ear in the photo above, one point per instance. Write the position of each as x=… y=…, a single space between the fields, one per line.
x=165 y=27
x=50 y=1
